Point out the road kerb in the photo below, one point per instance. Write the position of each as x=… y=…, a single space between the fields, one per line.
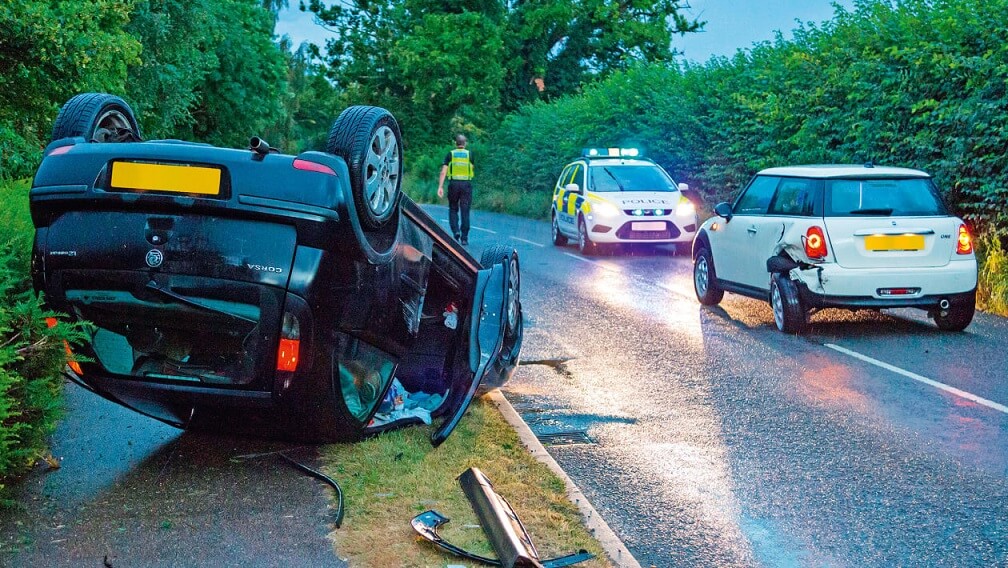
x=614 y=547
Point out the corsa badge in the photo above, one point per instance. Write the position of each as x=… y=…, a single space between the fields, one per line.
x=154 y=258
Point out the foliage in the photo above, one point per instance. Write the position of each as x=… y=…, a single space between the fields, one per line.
x=49 y=51
x=452 y=66
x=31 y=354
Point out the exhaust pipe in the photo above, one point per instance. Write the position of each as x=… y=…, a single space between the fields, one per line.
x=259 y=146
x=944 y=304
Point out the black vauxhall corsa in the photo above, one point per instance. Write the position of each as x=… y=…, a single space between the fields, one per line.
x=226 y=285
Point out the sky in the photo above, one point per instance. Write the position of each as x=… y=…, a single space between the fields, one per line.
x=731 y=24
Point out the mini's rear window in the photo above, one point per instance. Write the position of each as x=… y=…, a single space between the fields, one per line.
x=905 y=197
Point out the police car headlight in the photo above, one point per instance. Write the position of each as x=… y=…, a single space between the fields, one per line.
x=685 y=207
x=606 y=209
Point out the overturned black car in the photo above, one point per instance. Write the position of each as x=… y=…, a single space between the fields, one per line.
x=229 y=284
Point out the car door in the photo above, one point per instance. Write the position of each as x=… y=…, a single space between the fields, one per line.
x=735 y=242
x=562 y=197
x=793 y=199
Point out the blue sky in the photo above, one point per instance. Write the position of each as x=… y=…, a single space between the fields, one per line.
x=731 y=24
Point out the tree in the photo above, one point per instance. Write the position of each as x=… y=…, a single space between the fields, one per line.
x=455 y=64
x=51 y=50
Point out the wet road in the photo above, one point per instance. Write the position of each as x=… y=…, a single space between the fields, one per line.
x=707 y=438
x=132 y=491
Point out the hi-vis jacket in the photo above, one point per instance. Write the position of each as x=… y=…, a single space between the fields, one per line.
x=461 y=167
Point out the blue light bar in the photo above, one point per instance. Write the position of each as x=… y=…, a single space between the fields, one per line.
x=611 y=152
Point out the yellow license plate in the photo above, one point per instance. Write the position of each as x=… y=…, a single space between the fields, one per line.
x=136 y=176
x=894 y=242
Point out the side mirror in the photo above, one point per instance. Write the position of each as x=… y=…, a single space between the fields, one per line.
x=572 y=187
x=683 y=186
x=723 y=209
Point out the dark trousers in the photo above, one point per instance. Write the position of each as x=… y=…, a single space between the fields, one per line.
x=459 y=201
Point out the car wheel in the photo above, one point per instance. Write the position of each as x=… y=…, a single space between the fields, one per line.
x=789 y=314
x=585 y=244
x=509 y=256
x=705 y=279
x=369 y=140
x=97 y=117
x=957 y=316
x=558 y=238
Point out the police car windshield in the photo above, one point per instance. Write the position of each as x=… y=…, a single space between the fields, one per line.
x=617 y=177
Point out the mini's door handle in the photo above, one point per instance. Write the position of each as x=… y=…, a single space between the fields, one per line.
x=752 y=230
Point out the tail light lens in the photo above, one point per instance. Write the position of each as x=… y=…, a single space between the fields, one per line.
x=71 y=361
x=815 y=242
x=290 y=344
x=309 y=166
x=965 y=243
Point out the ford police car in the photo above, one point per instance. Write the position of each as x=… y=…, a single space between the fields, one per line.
x=612 y=196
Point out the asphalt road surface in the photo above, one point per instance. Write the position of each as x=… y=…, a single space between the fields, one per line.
x=705 y=437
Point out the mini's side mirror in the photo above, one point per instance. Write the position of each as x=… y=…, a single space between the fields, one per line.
x=683 y=186
x=723 y=209
x=572 y=187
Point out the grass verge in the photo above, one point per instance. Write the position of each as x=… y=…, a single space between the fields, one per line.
x=390 y=479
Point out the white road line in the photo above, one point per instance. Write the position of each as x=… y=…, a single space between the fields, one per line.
x=529 y=242
x=581 y=258
x=484 y=230
x=925 y=380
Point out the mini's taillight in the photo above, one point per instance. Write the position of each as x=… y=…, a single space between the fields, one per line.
x=71 y=361
x=309 y=166
x=965 y=243
x=815 y=242
x=290 y=344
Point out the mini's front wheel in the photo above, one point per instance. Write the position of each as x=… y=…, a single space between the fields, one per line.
x=705 y=279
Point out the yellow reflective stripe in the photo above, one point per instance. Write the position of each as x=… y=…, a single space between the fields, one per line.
x=571 y=200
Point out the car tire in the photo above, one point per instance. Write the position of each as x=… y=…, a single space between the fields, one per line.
x=97 y=117
x=585 y=244
x=958 y=316
x=789 y=314
x=369 y=140
x=705 y=279
x=558 y=238
x=501 y=254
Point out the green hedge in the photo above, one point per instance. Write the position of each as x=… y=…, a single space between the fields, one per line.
x=31 y=354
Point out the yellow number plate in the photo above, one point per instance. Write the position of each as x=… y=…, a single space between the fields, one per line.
x=894 y=242
x=165 y=177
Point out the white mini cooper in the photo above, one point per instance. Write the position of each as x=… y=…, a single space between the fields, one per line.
x=839 y=236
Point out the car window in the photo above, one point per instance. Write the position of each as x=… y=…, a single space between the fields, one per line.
x=897 y=197
x=562 y=181
x=577 y=176
x=795 y=196
x=756 y=198
x=630 y=178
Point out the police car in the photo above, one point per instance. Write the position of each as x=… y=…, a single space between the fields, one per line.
x=610 y=196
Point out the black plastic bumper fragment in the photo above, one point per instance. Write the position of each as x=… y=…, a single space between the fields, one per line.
x=426 y=524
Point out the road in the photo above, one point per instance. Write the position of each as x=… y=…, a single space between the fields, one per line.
x=705 y=437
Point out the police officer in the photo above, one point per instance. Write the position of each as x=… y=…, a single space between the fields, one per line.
x=458 y=167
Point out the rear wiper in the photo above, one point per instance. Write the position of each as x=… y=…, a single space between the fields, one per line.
x=153 y=287
x=878 y=211
x=618 y=184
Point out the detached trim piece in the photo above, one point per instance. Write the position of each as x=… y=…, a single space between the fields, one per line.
x=500 y=523
x=508 y=536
